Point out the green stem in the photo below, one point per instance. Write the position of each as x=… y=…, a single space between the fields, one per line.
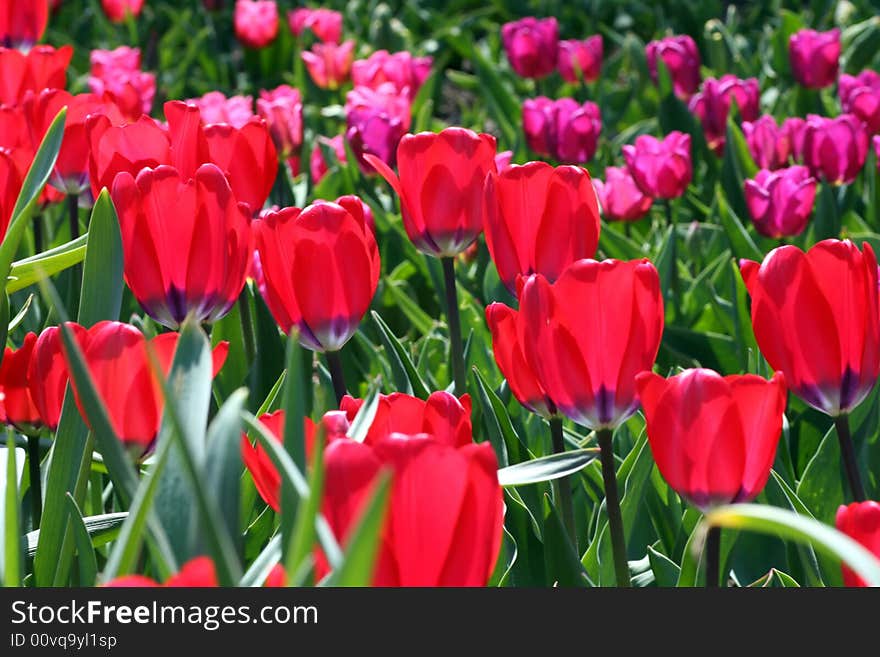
x=33 y=450
x=454 y=322
x=713 y=557
x=673 y=273
x=38 y=234
x=334 y=364
x=841 y=422
x=247 y=325
x=73 y=215
x=612 y=506
x=562 y=487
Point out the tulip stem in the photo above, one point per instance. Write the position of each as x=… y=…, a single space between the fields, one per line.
x=334 y=364
x=38 y=234
x=562 y=487
x=673 y=273
x=33 y=451
x=612 y=506
x=247 y=325
x=454 y=322
x=841 y=422
x=713 y=557
x=73 y=214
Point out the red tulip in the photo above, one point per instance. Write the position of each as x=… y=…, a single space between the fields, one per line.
x=43 y=67
x=441 y=187
x=861 y=522
x=359 y=210
x=712 y=106
x=539 y=220
x=214 y=107
x=816 y=318
x=195 y=573
x=860 y=96
x=835 y=149
x=317 y=166
x=320 y=268
x=587 y=362
x=405 y=72
x=118 y=361
x=117 y=75
x=713 y=438
x=580 y=60
x=780 y=202
x=10 y=187
x=325 y=24
x=129 y=147
x=620 y=197
x=531 y=45
x=47 y=373
x=256 y=22
x=509 y=353
x=661 y=169
x=377 y=119
x=814 y=57
x=562 y=129
x=682 y=60
x=16 y=404
x=282 y=109
x=117 y=10
x=329 y=64
x=770 y=146
x=22 y=23
x=186 y=243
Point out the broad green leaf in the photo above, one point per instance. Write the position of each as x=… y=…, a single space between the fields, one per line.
x=407 y=378
x=223 y=465
x=16 y=321
x=563 y=567
x=822 y=487
x=102 y=529
x=31 y=270
x=546 y=468
x=741 y=243
x=101 y=296
x=294 y=439
x=363 y=420
x=666 y=571
x=10 y=548
x=88 y=563
x=302 y=538
x=263 y=564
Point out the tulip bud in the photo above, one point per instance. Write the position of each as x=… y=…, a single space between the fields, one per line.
x=405 y=72
x=215 y=107
x=562 y=129
x=860 y=96
x=712 y=106
x=532 y=46
x=116 y=75
x=282 y=110
x=256 y=22
x=814 y=57
x=661 y=169
x=329 y=64
x=325 y=24
x=682 y=60
x=620 y=197
x=580 y=60
x=780 y=202
x=835 y=149
x=770 y=146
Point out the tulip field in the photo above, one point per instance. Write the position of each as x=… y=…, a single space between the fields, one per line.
x=439 y=293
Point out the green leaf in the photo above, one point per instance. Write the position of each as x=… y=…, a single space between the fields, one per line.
x=294 y=440
x=302 y=537
x=88 y=563
x=793 y=527
x=31 y=270
x=4 y=322
x=821 y=487
x=223 y=466
x=101 y=296
x=263 y=564
x=499 y=428
x=101 y=529
x=363 y=420
x=741 y=243
x=546 y=468
x=356 y=568
x=10 y=548
x=406 y=377
x=16 y=321
x=563 y=567
x=666 y=571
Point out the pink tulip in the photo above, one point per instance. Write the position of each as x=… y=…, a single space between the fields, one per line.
x=860 y=96
x=116 y=10
x=117 y=75
x=317 y=165
x=620 y=197
x=217 y=108
x=329 y=64
x=682 y=59
x=531 y=45
x=580 y=59
x=405 y=72
x=325 y=24
x=771 y=146
x=282 y=110
x=712 y=106
x=814 y=57
x=562 y=129
x=661 y=169
x=256 y=22
x=780 y=202
x=502 y=160
x=377 y=119
x=835 y=149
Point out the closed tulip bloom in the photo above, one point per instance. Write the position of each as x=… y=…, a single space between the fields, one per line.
x=539 y=219
x=119 y=365
x=377 y=120
x=835 y=149
x=814 y=57
x=817 y=320
x=780 y=202
x=620 y=198
x=511 y=360
x=43 y=67
x=128 y=147
x=713 y=437
x=117 y=10
x=861 y=522
x=325 y=24
x=16 y=404
x=795 y=128
x=771 y=146
x=317 y=165
x=198 y=572
x=860 y=96
x=10 y=186
x=186 y=242
x=47 y=374
x=117 y=75
x=22 y=23
x=661 y=168
x=405 y=72
x=562 y=129
x=587 y=363
x=256 y=22
x=712 y=106
x=440 y=186
x=281 y=108
x=215 y=107
x=532 y=46
x=320 y=268
x=682 y=59
x=329 y=64
x=580 y=60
